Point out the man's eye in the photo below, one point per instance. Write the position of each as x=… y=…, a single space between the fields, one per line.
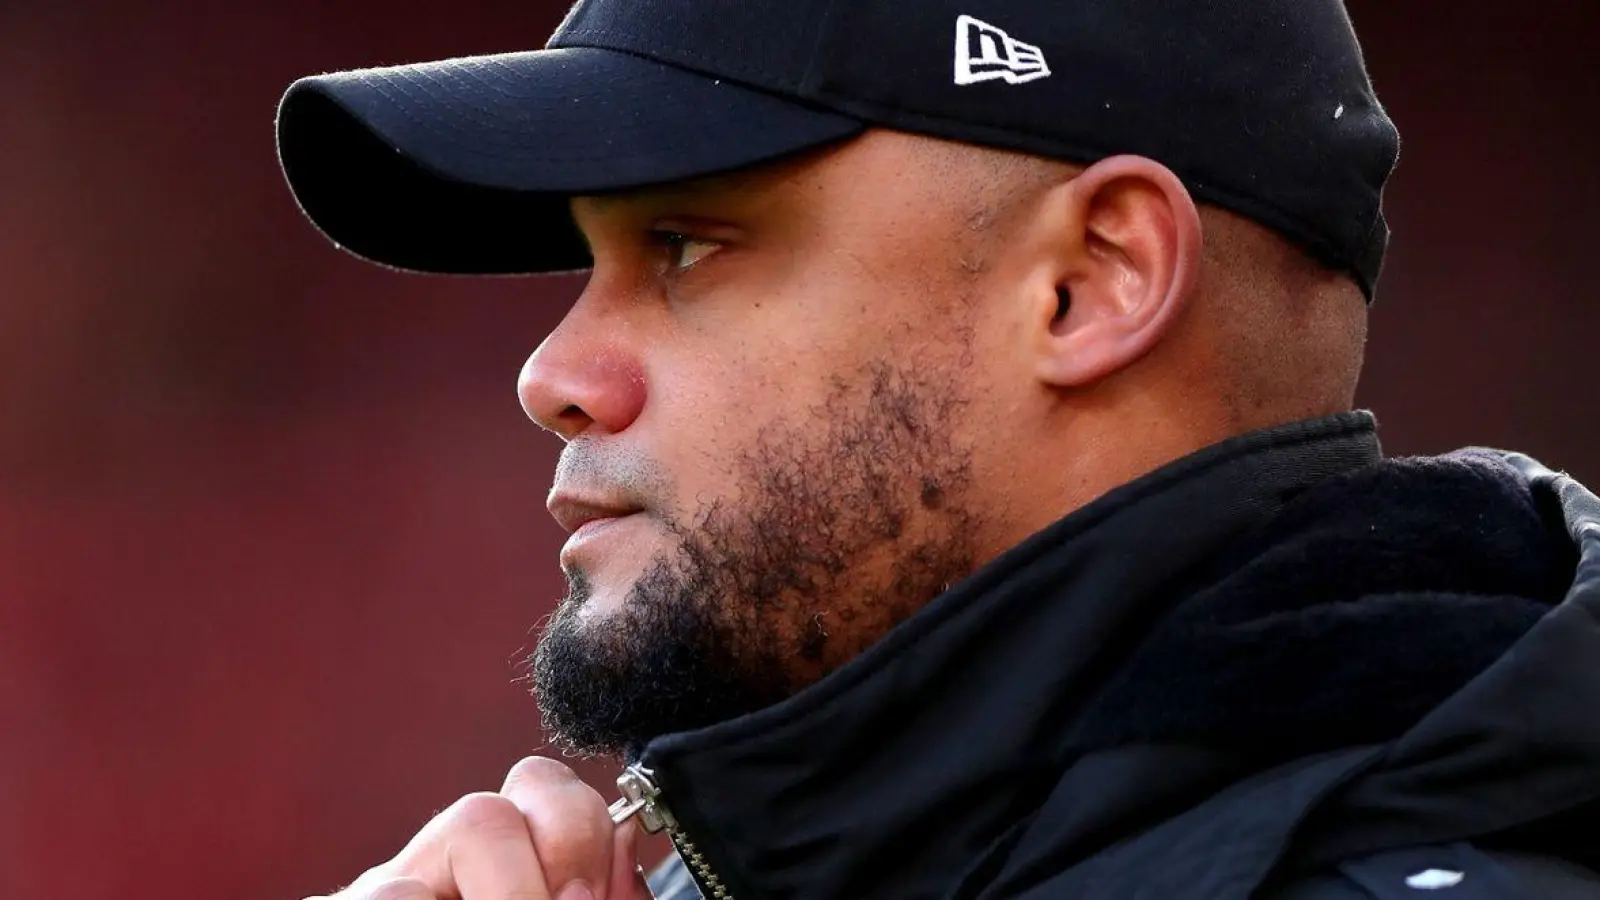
x=680 y=252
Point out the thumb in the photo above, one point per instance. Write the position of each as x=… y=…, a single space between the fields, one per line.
x=627 y=877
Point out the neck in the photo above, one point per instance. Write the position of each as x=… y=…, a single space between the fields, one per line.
x=1096 y=445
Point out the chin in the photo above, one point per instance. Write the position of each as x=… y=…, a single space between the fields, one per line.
x=596 y=598
x=602 y=604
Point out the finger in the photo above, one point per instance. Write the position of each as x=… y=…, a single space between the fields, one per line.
x=383 y=889
x=572 y=831
x=478 y=849
x=396 y=889
x=626 y=873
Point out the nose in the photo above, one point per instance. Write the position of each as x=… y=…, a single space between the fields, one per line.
x=583 y=377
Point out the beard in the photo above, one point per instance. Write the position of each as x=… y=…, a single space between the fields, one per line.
x=838 y=527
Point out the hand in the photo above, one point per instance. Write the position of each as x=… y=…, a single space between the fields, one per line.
x=545 y=836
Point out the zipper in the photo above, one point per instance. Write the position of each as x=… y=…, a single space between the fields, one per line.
x=641 y=797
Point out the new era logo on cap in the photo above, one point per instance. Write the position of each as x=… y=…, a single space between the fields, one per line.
x=986 y=53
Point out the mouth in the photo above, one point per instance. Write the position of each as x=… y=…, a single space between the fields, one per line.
x=589 y=522
x=586 y=546
x=576 y=514
x=593 y=526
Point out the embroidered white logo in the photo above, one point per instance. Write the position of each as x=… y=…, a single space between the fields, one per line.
x=1435 y=880
x=985 y=53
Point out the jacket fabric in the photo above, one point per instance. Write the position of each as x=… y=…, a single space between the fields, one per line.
x=1282 y=667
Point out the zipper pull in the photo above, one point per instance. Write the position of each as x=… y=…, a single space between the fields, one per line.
x=641 y=797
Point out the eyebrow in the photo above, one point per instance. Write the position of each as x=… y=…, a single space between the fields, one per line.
x=680 y=191
x=672 y=193
x=651 y=196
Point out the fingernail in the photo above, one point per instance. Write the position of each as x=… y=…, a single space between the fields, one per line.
x=575 y=890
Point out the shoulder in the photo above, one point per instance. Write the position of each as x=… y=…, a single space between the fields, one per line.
x=1448 y=872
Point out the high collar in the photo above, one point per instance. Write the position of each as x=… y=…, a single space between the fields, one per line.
x=811 y=798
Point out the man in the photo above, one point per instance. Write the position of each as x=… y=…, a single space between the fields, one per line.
x=964 y=490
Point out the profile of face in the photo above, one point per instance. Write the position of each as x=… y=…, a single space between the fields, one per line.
x=788 y=398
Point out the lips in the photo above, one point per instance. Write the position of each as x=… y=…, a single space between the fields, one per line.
x=590 y=525
x=574 y=513
x=593 y=527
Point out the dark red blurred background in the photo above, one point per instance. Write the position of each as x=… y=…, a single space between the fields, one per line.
x=272 y=536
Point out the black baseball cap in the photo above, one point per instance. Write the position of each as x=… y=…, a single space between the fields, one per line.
x=1263 y=107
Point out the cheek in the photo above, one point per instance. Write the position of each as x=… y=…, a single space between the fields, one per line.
x=711 y=424
x=700 y=421
x=739 y=371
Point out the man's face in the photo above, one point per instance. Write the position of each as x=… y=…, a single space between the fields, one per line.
x=780 y=393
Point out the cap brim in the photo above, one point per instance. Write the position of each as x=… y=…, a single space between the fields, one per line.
x=466 y=165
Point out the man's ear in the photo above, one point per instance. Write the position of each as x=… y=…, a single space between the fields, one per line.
x=1125 y=240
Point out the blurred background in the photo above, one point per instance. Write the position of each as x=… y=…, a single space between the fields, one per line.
x=272 y=537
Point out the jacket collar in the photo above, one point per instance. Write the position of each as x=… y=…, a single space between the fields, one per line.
x=1516 y=752
x=812 y=797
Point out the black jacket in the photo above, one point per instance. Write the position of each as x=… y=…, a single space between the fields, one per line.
x=1283 y=667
